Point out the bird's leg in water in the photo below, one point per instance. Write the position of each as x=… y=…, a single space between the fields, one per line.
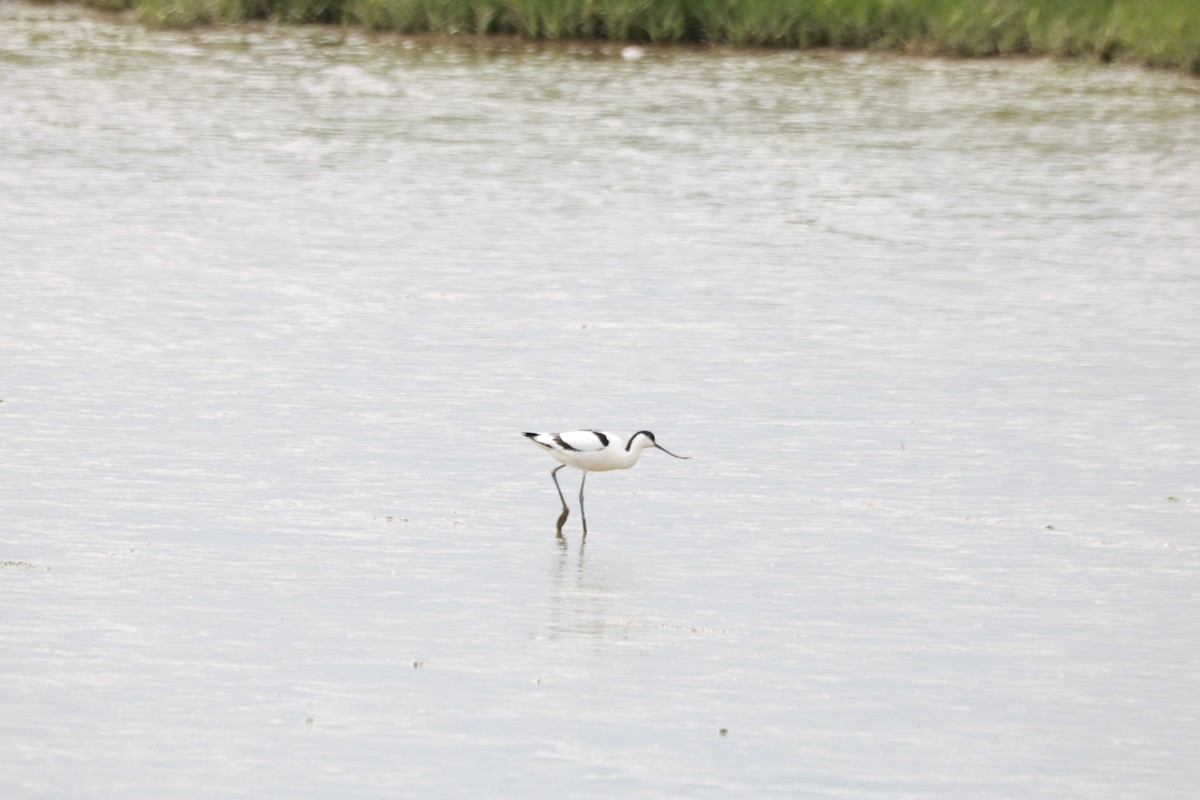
x=582 y=513
x=566 y=511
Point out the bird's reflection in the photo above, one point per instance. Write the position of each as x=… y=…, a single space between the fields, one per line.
x=582 y=594
x=562 y=566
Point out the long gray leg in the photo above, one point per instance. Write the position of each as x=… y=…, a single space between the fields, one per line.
x=566 y=511
x=556 y=486
x=581 y=512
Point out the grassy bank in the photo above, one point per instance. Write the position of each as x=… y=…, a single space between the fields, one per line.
x=1156 y=32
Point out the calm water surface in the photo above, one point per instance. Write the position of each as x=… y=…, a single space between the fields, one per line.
x=276 y=304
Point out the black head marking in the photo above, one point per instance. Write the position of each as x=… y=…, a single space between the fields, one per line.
x=647 y=434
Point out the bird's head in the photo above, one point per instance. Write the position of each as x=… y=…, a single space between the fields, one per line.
x=644 y=439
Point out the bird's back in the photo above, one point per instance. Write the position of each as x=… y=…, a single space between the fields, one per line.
x=590 y=450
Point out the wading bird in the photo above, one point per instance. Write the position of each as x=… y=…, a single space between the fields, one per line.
x=592 y=451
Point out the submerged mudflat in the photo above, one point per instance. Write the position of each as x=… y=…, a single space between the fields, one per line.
x=273 y=314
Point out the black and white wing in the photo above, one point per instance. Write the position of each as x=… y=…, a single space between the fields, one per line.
x=573 y=441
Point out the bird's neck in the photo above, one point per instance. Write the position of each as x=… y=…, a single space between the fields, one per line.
x=630 y=455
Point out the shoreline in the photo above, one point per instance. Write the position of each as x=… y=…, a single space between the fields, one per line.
x=1164 y=36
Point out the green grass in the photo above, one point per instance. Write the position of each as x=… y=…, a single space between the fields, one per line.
x=1155 y=32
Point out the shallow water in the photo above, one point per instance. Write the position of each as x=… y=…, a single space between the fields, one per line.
x=275 y=306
